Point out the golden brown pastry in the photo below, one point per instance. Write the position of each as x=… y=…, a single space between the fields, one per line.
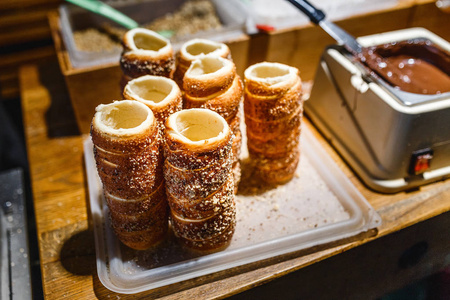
x=146 y=52
x=203 y=207
x=162 y=95
x=127 y=144
x=273 y=111
x=199 y=179
x=194 y=49
x=211 y=82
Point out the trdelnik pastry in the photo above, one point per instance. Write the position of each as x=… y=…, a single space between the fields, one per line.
x=212 y=82
x=199 y=181
x=162 y=95
x=145 y=52
x=129 y=162
x=273 y=111
x=194 y=49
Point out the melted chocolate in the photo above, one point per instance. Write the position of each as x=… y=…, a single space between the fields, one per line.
x=412 y=66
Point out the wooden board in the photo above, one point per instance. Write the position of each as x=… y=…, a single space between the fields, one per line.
x=64 y=228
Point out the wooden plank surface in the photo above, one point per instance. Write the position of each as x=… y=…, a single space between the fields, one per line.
x=23 y=21
x=62 y=213
x=24 y=38
x=373 y=270
x=7 y=5
x=10 y=64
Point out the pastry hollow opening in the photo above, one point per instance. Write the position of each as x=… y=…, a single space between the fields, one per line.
x=269 y=72
x=206 y=65
x=146 y=41
x=199 y=125
x=154 y=89
x=123 y=117
x=202 y=47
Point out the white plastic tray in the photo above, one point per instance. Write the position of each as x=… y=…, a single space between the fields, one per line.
x=320 y=205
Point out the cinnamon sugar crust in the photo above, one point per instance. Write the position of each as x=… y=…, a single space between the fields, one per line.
x=208 y=75
x=225 y=100
x=226 y=103
x=137 y=205
x=146 y=52
x=217 y=243
x=193 y=49
x=204 y=207
x=273 y=111
x=197 y=183
x=162 y=95
x=200 y=195
x=129 y=162
x=207 y=228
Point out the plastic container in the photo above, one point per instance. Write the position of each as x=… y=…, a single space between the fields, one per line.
x=320 y=205
x=73 y=18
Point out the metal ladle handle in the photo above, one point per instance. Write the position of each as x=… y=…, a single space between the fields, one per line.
x=318 y=17
x=314 y=14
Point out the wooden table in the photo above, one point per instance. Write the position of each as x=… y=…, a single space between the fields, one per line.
x=66 y=242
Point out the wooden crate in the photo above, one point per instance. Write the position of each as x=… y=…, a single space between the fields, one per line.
x=87 y=87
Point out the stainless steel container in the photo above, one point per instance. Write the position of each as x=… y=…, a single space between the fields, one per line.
x=393 y=140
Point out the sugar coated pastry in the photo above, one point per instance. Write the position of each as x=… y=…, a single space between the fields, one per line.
x=146 y=52
x=193 y=49
x=273 y=111
x=211 y=82
x=199 y=179
x=162 y=95
x=129 y=162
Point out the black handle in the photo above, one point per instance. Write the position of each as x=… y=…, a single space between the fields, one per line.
x=314 y=14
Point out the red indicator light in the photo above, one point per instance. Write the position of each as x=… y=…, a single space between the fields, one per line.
x=420 y=161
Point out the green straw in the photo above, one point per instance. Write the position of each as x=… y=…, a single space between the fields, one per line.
x=106 y=11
